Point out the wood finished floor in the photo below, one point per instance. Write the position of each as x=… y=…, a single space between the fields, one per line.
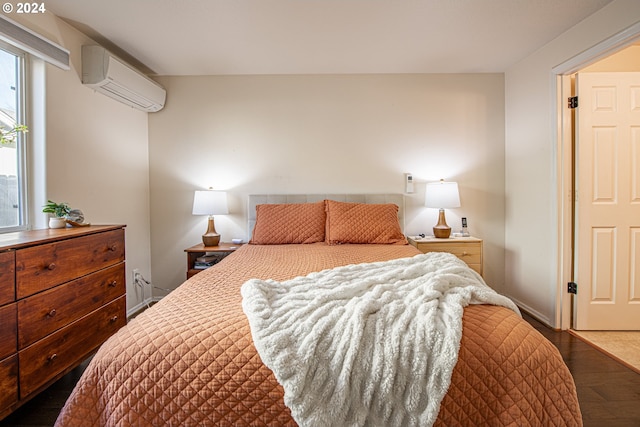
x=609 y=392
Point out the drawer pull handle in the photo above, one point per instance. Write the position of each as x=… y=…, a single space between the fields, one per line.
x=52 y=357
x=113 y=247
x=51 y=266
x=113 y=284
x=113 y=319
x=52 y=312
x=465 y=253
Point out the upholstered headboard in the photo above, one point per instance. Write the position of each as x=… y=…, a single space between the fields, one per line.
x=259 y=199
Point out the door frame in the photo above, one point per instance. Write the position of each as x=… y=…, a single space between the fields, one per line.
x=561 y=80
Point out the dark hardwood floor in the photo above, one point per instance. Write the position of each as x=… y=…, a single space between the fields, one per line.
x=43 y=409
x=609 y=392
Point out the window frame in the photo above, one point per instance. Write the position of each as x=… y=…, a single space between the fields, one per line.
x=21 y=138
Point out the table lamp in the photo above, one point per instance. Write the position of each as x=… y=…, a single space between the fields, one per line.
x=209 y=202
x=442 y=195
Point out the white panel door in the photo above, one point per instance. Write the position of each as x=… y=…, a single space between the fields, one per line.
x=608 y=202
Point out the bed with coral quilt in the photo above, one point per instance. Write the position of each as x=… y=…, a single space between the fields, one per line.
x=323 y=322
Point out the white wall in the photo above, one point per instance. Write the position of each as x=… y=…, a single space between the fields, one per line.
x=287 y=134
x=324 y=134
x=96 y=152
x=531 y=231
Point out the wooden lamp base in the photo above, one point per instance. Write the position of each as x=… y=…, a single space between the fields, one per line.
x=211 y=237
x=441 y=230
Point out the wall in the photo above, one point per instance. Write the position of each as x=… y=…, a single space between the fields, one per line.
x=324 y=134
x=96 y=152
x=531 y=230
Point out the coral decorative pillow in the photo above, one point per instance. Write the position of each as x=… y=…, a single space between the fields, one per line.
x=363 y=223
x=281 y=224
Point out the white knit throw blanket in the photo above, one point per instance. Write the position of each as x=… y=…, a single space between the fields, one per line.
x=367 y=344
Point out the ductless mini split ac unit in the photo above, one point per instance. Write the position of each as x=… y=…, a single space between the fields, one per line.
x=113 y=77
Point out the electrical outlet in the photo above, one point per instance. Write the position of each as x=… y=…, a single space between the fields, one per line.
x=134 y=275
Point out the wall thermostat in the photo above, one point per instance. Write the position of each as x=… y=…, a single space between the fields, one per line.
x=408 y=181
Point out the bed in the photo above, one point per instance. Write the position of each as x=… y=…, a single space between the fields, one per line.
x=190 y=360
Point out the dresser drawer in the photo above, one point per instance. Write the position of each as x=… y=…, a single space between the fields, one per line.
x=8 y=330
x=7 y=277
x=50 y=357
x=41 y=267
x=48 y=311
x=8 y=382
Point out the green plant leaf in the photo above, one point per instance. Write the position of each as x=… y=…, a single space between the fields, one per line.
x=57 y=209
x=8 y=136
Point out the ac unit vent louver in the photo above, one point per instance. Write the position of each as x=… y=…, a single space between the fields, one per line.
x=109 y=75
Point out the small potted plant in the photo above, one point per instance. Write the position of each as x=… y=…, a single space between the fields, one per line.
x=59 y=211
x=9 y=136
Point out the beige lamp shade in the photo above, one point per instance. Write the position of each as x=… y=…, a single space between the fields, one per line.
x=209 y=202
x=442 y=195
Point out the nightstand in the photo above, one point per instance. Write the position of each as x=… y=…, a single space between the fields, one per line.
x=468 y=249
x=194 y=252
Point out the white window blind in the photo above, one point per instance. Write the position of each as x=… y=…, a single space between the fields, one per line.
x=33 y=43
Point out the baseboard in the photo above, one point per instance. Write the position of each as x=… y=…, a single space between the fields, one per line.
x=532 y=312
x=133 y=311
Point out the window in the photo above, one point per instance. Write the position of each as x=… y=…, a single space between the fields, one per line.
x=13 y=210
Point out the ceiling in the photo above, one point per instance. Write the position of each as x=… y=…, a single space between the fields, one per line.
x=210 y=37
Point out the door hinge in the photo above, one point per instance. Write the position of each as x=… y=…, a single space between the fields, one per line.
x=572 y=287
x=573 y=102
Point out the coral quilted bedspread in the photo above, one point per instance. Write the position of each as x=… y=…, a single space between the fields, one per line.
x=190 y=359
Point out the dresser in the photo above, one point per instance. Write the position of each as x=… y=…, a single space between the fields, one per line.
x=468 y=249
x=62 y=294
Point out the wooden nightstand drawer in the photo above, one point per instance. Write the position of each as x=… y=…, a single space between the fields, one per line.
x=468 y=249
x=471 y=253
x=41 y=267
x=8 y=330
x=51 y=356
x=50 y=310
